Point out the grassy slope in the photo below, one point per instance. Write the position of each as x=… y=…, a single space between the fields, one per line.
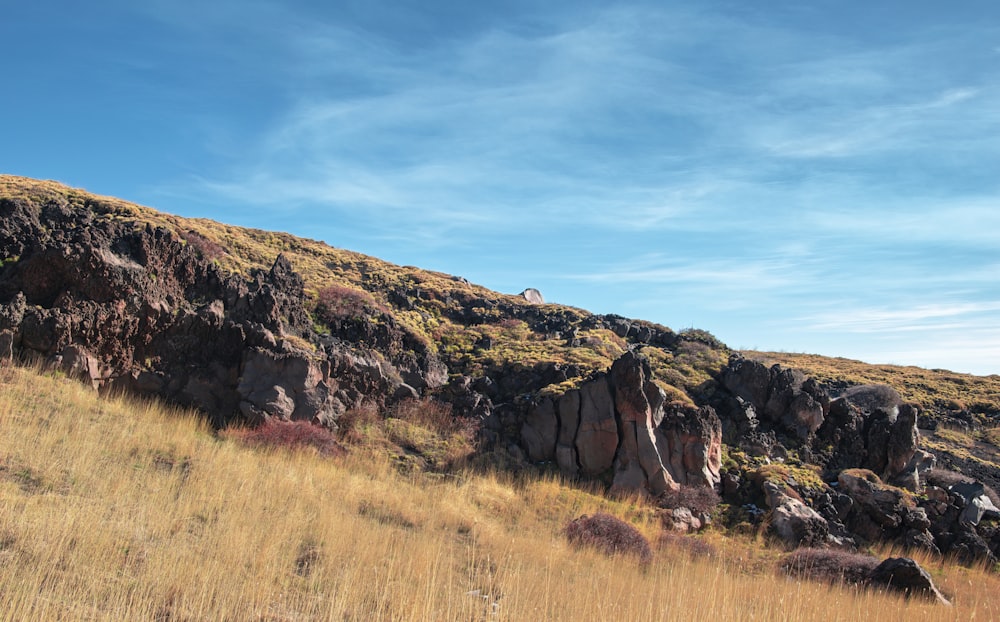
x=112 y=509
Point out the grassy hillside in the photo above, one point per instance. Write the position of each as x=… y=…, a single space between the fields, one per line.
x=112 y=509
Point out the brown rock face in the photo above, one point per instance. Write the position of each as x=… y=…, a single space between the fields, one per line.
x=539 y=432
x=639 y=404
x=692 y=440
x=621 y=420
x=291 y=387
x=597 y=434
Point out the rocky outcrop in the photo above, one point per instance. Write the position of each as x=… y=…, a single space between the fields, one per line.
x=620 y=423
x=597 y=430
x=961 y=521
x=691 y=442
x=781 y=398
x=885 y=439
x=129 y=306
x=884 y=513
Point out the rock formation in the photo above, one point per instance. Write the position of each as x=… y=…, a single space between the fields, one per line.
x=142 y=310
x=622 y=420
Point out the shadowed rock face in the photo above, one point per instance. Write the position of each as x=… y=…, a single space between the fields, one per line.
x=136 y=308
x=784 y=398
x=621 y=421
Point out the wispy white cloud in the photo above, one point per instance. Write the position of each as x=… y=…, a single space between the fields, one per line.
x=737 y=161
x=968 y=315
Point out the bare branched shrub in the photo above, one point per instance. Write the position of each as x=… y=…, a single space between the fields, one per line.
x=206 y=249
x=698 y=499
x=943 y=478
x=278 y=434
x=351 y=424
x=829 y=565
x=608 y=534
x=869 y=397
x=338 y=302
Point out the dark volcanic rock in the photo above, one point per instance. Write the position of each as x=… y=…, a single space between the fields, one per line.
x=129 y=306
x=783 y=398
x=902 y=574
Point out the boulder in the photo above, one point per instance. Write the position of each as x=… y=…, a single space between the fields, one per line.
x=905 y=462
x=784 y=398
x=682 y=520
x=787 y=403
x=977 y=505
x=291 y=387
x=76 y=362
x=902 y=574
x=793 y=521
x=533 y=296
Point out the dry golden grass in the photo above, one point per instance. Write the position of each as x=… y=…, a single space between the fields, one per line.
x=112 y=509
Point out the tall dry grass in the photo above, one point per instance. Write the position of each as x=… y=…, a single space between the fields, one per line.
x=113 y=509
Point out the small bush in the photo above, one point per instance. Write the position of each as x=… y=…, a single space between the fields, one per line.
x=829 y=565
x=351 y=425
x=943 y=478
x=206 y=249
x=610 y=535
x=339 y=302
x=698 y=499
x=870 y=397
x=278 y=434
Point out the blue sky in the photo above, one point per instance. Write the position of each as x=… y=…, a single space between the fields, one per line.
x=805 y=176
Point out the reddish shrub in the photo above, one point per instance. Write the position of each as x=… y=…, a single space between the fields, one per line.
x=351 y=422
x=610 y=535
x=337 y=302
x=206 y=249
x=290 y=435
x=829 y=565
x=698 y=499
